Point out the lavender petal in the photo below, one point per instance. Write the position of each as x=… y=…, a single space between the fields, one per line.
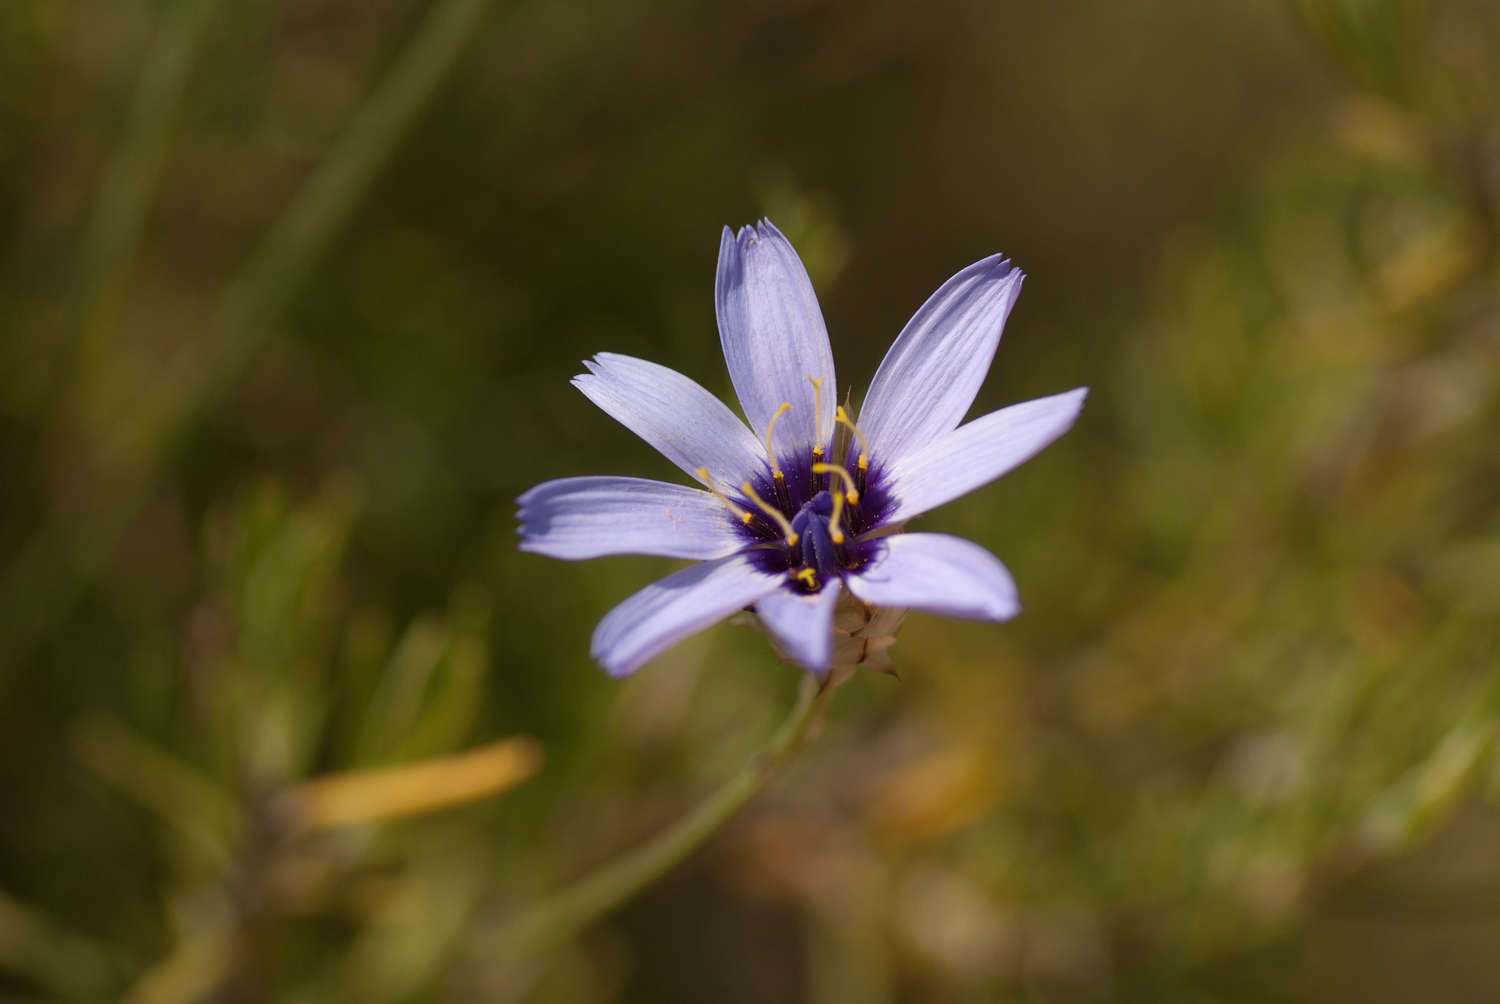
x=802 y=625
x=940 y=574
x=928 y=379
x=773 y=336
x=979 y=452
x=687 y=424
x=577 y=518
x=667 y=611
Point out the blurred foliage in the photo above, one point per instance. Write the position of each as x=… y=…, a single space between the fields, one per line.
x=290 y=296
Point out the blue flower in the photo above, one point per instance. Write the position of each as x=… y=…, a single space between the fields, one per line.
x=800 y=514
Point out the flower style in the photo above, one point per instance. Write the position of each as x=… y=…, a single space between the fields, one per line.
x=802 y=518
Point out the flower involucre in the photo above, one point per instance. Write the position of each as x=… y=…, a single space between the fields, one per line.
x=801 y=513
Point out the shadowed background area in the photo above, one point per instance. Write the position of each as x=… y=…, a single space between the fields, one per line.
x=290 y=294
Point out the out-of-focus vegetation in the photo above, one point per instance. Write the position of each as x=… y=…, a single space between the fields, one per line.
x=289 y=297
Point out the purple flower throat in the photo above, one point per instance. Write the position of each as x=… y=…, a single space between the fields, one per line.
x=807 y=519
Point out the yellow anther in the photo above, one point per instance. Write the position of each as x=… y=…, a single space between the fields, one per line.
x=708 y=483
x=833 y=518
x=817 y=383
x=773 y=512
x=808 y=576
x=844 y=475
x=786 y=406
x=842 y=417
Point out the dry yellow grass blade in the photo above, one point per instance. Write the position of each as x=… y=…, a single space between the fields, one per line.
x=67 y=964
x=936 y=795
x=385 y=793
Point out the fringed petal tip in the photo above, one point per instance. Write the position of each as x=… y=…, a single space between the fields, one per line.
x=1001 y=267
x=995 y=268
x=761 y=229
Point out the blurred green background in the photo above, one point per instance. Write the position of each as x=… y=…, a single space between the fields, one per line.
x=290 y=293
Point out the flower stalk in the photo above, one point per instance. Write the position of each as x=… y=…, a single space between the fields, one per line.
x=571 y=911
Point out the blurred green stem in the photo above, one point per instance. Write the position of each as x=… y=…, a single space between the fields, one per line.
x=184 y=798
x=68 y=965
x=125 y=196
x=571 y=911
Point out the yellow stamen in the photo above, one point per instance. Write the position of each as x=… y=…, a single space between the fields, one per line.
x=773 y=512
x=842 y=417
x=744 y=516
x=847 y=478
x=786 y=406
x=808 y=576
x=817 y=383
x=834 y=517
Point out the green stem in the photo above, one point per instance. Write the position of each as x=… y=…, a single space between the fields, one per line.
x=125 y=197
x=564 y=915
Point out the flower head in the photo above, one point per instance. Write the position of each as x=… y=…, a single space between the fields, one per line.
x=800 y=515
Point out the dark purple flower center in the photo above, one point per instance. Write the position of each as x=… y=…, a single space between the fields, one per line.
x=827 y=513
